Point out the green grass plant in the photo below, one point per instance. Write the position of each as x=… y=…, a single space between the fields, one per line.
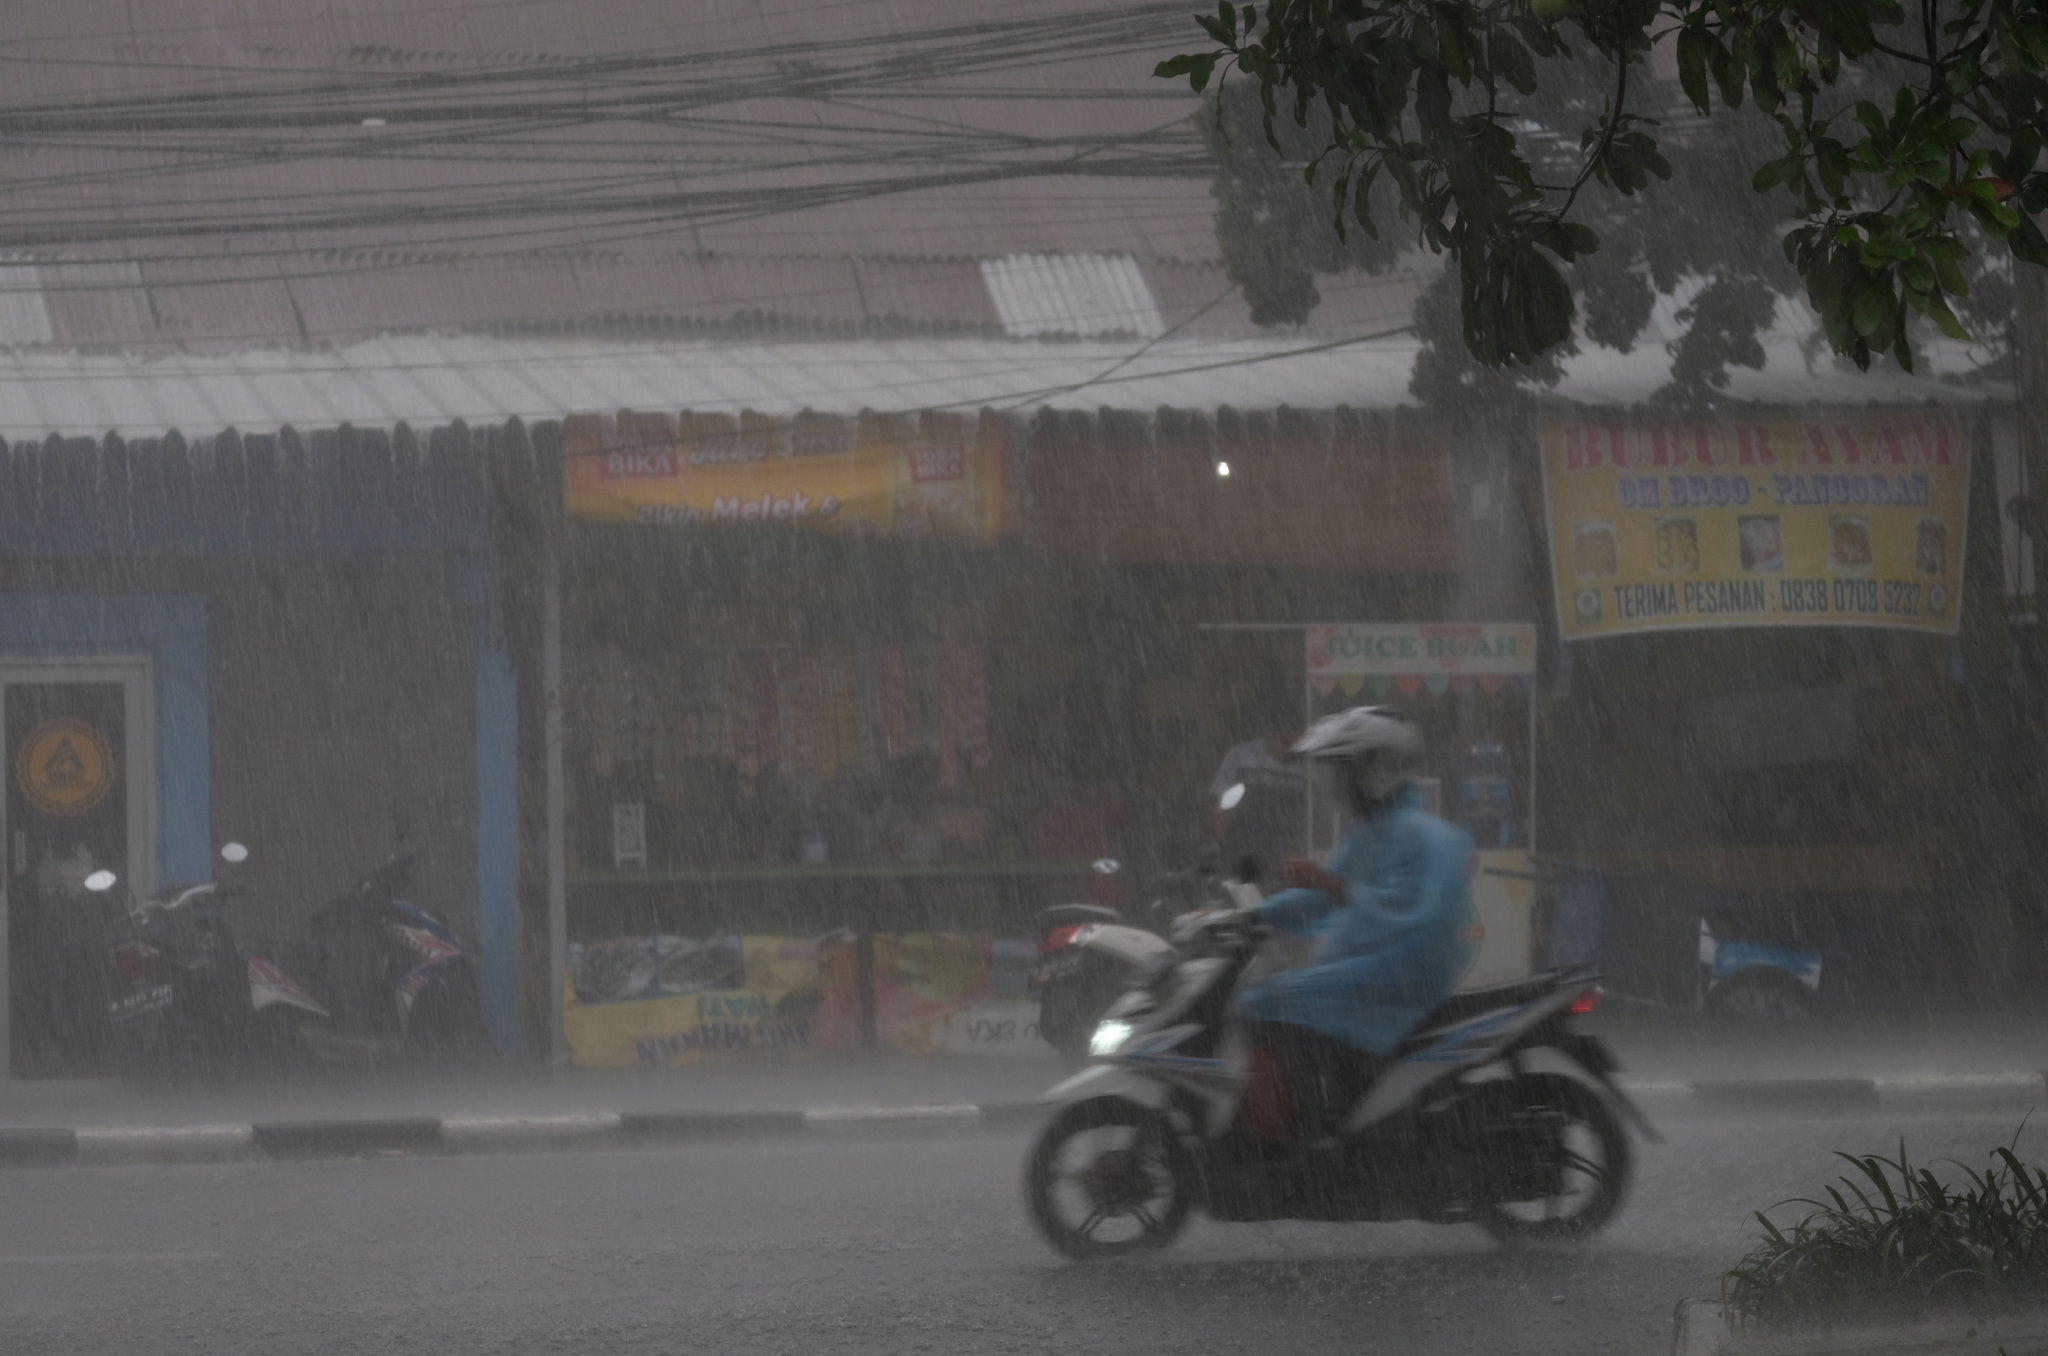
x=1893 y=1240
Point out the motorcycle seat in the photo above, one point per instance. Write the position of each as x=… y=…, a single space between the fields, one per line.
x=1070 y=915
x=1472 y=1003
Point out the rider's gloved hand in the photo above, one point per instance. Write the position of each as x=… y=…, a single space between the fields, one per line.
x=1299 y=873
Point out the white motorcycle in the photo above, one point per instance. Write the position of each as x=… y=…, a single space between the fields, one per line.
x=1089 y=954
x=1498 y=1111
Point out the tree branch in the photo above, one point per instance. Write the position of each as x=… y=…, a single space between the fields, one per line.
x=1613 y=119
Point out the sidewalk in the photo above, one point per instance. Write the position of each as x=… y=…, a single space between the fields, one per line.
x=728 y=1087
x=1687 y=1048
x=1667 y=1064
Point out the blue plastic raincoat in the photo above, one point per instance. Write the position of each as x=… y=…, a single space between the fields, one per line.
x=1390 y=951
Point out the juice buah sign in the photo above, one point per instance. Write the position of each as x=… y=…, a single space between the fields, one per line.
x=1804 y=521
x=936 y=476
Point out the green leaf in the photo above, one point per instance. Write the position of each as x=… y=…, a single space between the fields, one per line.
x=1728 y=74
x=1511 y=60
x=1869 y=310
x=1946 y=320
x=1361 y=203
x=1693 y=44
x=1197 y=67
x=1568 y=239
x=1831 y=162
x=1950 y=275
x=2026 y=243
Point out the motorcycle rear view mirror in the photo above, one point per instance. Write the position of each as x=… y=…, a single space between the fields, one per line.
x=234 y=852
x=101 y=881
x=1230 y=799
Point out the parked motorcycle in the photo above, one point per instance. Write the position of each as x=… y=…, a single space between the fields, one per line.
x=376 y=977
x=1499 y=1111
x=184 y=997
x=1088 y=955
x=391 y=978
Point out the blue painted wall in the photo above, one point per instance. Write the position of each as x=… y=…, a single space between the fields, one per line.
x=171 y=629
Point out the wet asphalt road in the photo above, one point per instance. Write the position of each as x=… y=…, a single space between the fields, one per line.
x=856 y=1244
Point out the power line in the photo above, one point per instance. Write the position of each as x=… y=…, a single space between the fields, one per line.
x=500 y=161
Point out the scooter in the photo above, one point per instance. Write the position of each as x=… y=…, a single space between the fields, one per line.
x=1088 y=954
x=392 y=978
x=1498 y=1111
x=184 y=998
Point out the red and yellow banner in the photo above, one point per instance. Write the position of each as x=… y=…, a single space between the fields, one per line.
x=927 y=475
x=1805 y=520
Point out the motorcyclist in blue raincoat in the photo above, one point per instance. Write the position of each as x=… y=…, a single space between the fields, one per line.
x=1388 y=915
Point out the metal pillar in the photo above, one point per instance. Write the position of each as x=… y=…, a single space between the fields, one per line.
x=557 y=805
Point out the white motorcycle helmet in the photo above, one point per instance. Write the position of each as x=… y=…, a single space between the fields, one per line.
x=1375 y=750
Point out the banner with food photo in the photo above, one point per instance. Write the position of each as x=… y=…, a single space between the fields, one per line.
x=929 y=475
x=923 y=982
x=1801 y=520
x=675 y=1000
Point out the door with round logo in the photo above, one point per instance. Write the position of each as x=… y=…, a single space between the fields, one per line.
x=68 y=816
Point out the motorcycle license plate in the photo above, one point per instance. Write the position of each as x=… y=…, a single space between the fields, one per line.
x=155 y=998
x=1058 y=967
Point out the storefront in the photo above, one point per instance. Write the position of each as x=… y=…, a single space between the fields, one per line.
x=288 y=642
x=1785 y=690
x=918 y=676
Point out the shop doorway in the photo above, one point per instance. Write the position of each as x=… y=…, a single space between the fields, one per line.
x=77 y=799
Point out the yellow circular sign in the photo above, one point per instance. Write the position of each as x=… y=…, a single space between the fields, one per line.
x=64 y=767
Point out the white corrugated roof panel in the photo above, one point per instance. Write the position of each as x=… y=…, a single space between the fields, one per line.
x=1071 y=294
x=24 y=311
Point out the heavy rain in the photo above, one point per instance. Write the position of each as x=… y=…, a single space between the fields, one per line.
x=886 y=675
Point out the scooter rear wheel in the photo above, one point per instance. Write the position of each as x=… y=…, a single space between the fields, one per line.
x=1106 y=1178
x=1588 y=1152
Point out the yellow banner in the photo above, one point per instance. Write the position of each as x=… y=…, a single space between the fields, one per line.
x=928 y=475
x=775 y=1012
x=1798 y=521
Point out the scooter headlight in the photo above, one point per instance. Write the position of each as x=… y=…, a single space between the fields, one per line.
x=1109 y=1038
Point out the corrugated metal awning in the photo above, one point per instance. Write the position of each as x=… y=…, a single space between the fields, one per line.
x=428 y=380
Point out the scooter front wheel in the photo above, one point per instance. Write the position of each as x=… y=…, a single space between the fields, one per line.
x=1105 y=1178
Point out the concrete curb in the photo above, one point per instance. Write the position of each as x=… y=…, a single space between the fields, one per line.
x=107 y=1145
x=1826 y=1094
x=112 y=1145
